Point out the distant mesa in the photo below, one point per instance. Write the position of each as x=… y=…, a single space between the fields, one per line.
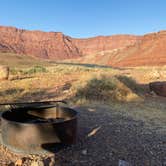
x=116 y=50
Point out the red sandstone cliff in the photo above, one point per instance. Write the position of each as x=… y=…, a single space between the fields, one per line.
x=149 y=51
x=48 y=45
x=103 y=43
x=117 y=50
x=55 y=45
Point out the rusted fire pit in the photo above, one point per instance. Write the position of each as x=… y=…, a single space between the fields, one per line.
x=38 y=129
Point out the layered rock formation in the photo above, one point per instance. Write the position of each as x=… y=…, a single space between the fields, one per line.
x=149 y=51
x=55 y=45
x=117 y=50
x=47 y=45
x=104 y=43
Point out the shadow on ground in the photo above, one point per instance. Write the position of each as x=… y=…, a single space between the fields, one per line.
x=87 y=65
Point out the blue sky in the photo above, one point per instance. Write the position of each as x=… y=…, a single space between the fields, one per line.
x=85 y=18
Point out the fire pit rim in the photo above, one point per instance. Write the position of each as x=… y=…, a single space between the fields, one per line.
x=40 y=123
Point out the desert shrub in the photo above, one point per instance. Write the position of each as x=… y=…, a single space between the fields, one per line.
x=96 y=88
x=105 y=88
x=36 y=69
x=130 y=83
x=11 y=91
x=15 y=71
x=33 y=70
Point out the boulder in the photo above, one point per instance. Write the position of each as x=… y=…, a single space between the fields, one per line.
x=158 y=87
x=4 y=72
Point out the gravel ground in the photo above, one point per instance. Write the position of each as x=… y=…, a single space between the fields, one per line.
x=104 y=138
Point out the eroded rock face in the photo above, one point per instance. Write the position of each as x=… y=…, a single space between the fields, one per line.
x=47 y=45
x=158 y=87
x=117 y=50
x=55 y=45
x=149 y=51
x=104 y=43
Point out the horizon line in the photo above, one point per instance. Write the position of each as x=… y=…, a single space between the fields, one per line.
x=48 y=31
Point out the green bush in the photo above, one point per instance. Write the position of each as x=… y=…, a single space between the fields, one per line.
x=130 y=83
x=97 y=89
x=36 y=69
x=15 y=71
x=107 y=88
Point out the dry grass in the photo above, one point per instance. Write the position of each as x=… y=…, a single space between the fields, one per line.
x=87 y=83
x=75 y=82
x=19 y=60
x=107 y=88
x=90 y=83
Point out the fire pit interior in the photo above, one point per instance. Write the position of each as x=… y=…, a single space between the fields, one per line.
x=38 y=129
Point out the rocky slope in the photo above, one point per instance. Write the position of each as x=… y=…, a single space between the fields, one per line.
x=149 y=51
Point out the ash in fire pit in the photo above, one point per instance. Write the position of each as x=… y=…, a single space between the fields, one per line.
x=30 y=130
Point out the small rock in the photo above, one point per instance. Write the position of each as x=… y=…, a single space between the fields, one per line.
x=123 y=163
x=111 y=153
x=84 y=152
x=37 y=163
x=164 y=163
x=11 y=164
x=4 y=72
x=19 y=162
x=152 y=93
x=52 y=163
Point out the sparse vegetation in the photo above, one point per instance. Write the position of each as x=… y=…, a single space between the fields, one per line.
x=107 y=96
x=105 y=88
x=36 y=69
x=130 y=83
x=15 y=71
x=97 y=89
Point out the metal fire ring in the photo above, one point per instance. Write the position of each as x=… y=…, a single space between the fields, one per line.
x=38 y=129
